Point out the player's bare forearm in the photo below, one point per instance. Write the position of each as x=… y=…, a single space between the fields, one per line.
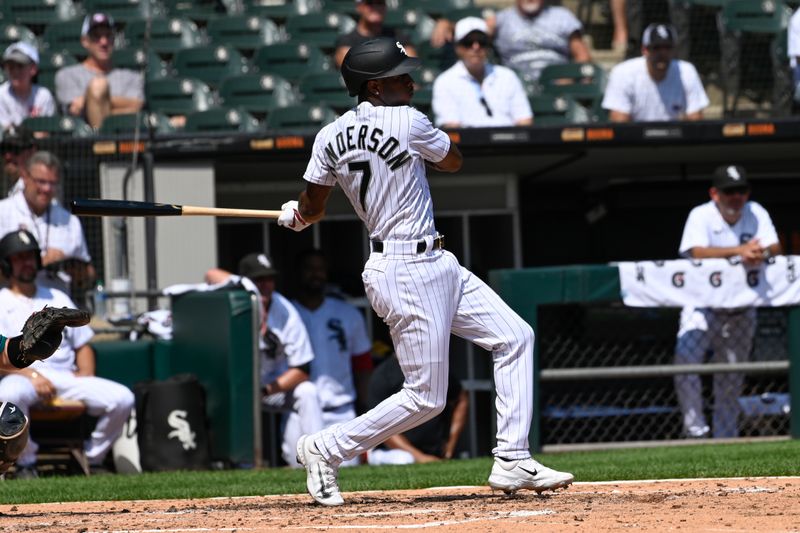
x=287 y=381
x=618 y=116
x=451 y=162
x=400 y=442
x=457 y=424
x=312 y=202
x=85 y=361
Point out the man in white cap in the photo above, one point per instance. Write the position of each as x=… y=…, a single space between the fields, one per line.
x=94 y=89
x=656 y=86
x=474 y=92
x=19 y=96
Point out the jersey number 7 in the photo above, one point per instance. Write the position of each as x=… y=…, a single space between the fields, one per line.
x=366 y=174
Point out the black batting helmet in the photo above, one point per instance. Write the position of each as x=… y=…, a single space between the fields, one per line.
x=375 y=59
x=18 y=241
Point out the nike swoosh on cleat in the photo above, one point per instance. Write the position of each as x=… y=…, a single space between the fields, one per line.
x=534 y=473
x=323 y=490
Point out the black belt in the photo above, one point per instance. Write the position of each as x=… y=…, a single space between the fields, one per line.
x=438 y=242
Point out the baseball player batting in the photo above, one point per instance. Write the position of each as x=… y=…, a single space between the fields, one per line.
x=377 y=153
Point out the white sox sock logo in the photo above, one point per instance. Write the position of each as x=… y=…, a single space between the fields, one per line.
x=183 y=431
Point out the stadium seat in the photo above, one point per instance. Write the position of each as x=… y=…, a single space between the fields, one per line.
x=425 y=75
x=416 y=24
x=126 y=123
x=39 y=12
x=291 y=60
x=49 y=63
x=442 y=57
x=178 y=96
x=435 y=8
x=423 y=99
x=319 y=29
x=458 y=13
x=326 y=88
x=753 y=45
x=300 y=117
x=210 y=63
x=64 y=37
x=57 y=126
x=550 y=110
x=583 y=81
x=124 y=11
x=221 y=119
x=257 y=93
x=135 y=59
x=244 y=32
x=167 y=35
x=280 y=10
x=199 y=10
x=11 y=33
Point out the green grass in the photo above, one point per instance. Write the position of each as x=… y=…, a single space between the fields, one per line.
x=728 y=460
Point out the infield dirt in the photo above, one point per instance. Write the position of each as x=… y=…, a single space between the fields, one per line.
x=712 y=505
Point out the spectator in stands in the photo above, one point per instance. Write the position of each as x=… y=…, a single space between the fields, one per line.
x=432 y=441
x=65 y=254
x=794 y=53
x=530 y=36
x=18 y=145
x=69 y=372
x=655 y=86
x=371 y=14
x=94 y=89
x=728 y=226
x=342 y=362
x=286 y=352
x=619 y=18
x=20 y=98
x=474 y=92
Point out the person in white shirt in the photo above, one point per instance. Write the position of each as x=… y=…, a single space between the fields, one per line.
x=655 y=87
x=69 y=372
x=20 y=98
x=285 y=349
x=794 y=52
x=18 y=145
x=58 y=232
x=474 y=92
x=733 y=227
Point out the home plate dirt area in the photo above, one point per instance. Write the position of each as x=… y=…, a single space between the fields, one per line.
x=715 y=505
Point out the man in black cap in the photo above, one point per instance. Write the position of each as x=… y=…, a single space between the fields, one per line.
x=286 y=351
x=94 y=89
x=728 y=226
x=656 y=86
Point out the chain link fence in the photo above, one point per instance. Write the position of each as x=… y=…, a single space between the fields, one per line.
x=610 y=374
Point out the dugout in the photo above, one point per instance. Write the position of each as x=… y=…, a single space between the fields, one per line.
x=526 y=197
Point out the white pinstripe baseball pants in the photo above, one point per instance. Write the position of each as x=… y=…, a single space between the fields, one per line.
x=111 y=402
x=423 y=298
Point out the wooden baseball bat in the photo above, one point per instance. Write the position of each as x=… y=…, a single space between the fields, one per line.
x=98 y=207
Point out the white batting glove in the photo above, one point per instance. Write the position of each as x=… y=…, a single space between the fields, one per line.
x=290 y=217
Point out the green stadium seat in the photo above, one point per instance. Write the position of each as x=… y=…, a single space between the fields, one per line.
x=416 y=24
x=550 y=110
x=435 y=8
x=124 y=11
x=167 y=35
x=64 y=37
x=459 y=13
x=11 y=33
x=210 y=63
x=583 y=81
x=326 y=88
x=57 y=126
x=755 y=16
x=221 y=119
x=442 y=57
x=126 y=124
x=304 y=117
x=348 y=7
x=280 y=10
x=135 y=59
x=39 y=12
x=319 y=29
x=199 y=10
x=257 y=93
x=178 y=96
x=244 y=32
x=423 y=99
x=291 y=60
x=425 y=75
x=49 y=63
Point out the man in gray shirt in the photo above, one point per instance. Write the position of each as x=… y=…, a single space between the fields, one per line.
x=95 y=89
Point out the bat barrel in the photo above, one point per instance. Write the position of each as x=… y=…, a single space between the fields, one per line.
x=123 y=208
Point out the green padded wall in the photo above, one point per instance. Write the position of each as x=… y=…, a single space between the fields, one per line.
x=125 y=362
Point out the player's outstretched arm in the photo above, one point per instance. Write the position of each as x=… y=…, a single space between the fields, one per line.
x=41 y=335
x=299 y=214
x=452 y=161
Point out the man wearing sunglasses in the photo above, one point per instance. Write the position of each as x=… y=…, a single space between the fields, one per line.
x=474 y=92
x=733 y=227
x=371 y=14
x=656 y=86
x=94 y=89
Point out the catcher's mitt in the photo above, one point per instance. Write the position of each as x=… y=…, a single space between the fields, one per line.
x=41 y=334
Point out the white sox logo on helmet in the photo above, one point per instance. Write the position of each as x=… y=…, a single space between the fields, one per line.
x=401 y=47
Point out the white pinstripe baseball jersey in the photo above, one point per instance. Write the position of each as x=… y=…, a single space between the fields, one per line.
x=376 y=155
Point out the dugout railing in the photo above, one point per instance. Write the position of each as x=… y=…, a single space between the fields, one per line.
x=625 y=395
